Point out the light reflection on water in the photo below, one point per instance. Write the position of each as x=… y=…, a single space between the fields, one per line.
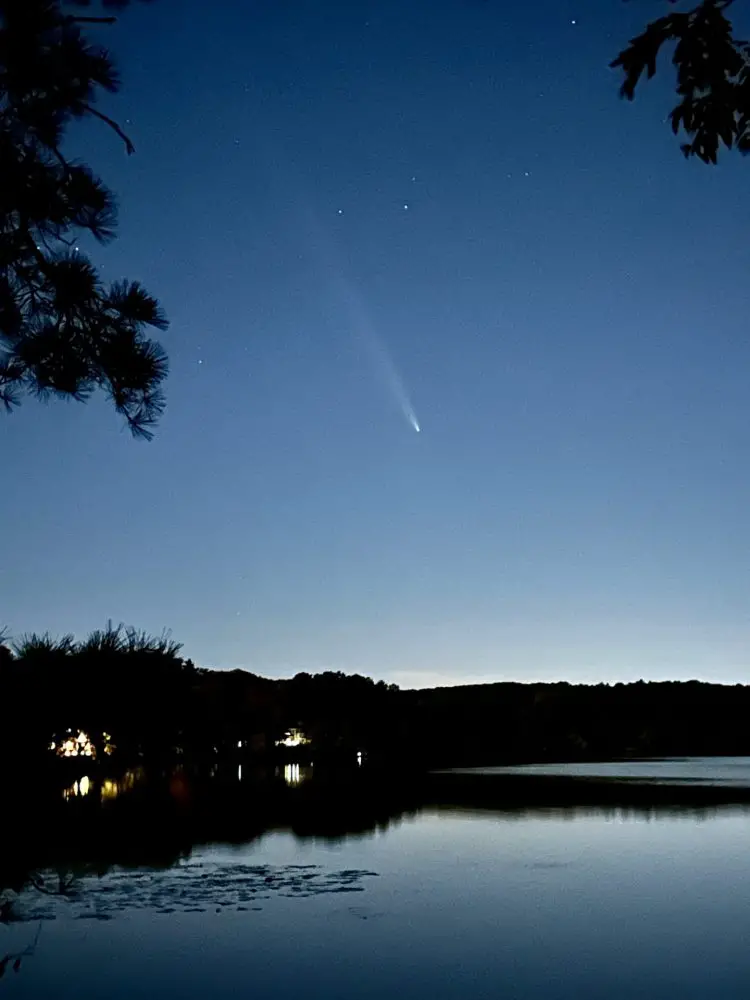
x=295 y=774
x=78 y=789
x=109 y=788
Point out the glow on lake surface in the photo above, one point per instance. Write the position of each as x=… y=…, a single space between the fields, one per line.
x=691 y=770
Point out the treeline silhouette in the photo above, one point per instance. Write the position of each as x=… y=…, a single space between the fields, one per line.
x=153 y=704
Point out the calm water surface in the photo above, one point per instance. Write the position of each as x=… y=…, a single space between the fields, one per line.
x=446 y=903
x=692 y=770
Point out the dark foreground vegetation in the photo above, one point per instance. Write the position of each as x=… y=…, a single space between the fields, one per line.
x=140 y=701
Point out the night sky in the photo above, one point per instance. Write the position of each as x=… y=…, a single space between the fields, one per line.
x=362 y=216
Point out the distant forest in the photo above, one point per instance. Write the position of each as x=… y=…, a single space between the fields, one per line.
x=137 y=694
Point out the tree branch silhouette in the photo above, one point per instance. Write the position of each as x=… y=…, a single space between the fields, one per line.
x=63 y=331
x=114 y=126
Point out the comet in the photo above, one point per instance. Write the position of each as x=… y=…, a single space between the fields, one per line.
x=383 y=364
x=350 y=300
x=344 y=292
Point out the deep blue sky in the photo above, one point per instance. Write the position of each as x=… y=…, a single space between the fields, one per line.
x=564 y=299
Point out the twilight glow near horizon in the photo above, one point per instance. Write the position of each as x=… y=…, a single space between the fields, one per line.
x=366 y=219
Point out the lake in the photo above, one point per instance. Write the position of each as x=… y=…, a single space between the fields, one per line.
x=373 y=892
x=691 y=770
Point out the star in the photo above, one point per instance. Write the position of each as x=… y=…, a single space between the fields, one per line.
x=406 y=208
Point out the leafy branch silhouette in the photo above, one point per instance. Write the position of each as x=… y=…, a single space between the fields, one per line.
x=712 y=76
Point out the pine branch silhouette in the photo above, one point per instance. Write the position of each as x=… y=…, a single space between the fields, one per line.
x=63 y=332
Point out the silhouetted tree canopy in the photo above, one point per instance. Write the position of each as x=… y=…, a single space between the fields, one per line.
x=63 y=331
x=158 y=707
x=712 y=74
